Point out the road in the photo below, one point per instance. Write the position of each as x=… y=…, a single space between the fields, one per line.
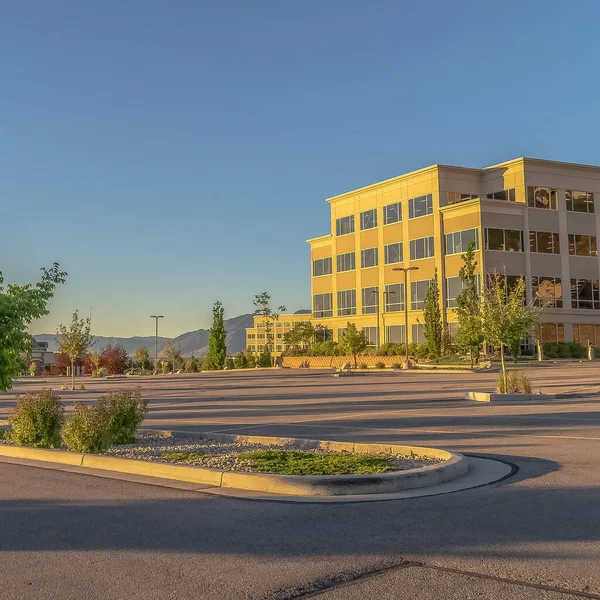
x=66 y=535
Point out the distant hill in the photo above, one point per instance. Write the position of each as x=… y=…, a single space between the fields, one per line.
x=192 y=343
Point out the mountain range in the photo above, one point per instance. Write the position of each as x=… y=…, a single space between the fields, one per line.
x=192 y=343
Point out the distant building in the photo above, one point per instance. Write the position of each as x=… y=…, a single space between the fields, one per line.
x=40 y=355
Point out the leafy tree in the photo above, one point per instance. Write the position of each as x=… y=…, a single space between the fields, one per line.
x=506 y=318
x=251 y=361
x=240 y=361
x=165 y=366
x=173 y=355
x=353 y=342
x=432 y=314
x=301 y=334
x=192 y=365
x=19 y=306
x=114 y=359
x=262 y=302
x=142 y=357
x=217 y=346
x=469 y=337
x=74 y=341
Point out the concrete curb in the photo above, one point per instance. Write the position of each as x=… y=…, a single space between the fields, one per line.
x=455 y=465
x=495 y=398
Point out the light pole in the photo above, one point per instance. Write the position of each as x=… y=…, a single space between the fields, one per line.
x=405 y=270
x=156 y=317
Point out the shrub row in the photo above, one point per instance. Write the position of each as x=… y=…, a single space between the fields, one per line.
x=333 y=349
x=564 y=350
x=38 y=421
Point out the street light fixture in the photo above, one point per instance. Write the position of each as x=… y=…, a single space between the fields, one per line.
x=405 y=270
x=156 y=317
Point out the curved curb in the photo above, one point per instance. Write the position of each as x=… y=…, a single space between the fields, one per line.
x=454 y=465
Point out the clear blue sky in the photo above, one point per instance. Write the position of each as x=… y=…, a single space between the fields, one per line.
x=169 y=154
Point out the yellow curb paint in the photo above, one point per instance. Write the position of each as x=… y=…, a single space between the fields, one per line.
x=42 y=454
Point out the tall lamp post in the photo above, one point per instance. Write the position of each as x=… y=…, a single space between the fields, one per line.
x=156 y=317
x=405 y=270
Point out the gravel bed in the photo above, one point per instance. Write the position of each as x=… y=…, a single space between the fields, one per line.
x=221 y=455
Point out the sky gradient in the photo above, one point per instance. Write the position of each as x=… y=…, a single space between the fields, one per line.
x=169 y=154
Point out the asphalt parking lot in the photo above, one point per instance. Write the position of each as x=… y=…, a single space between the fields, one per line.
x=536 y=535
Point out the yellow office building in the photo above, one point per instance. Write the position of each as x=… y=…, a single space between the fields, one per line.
x=527 y=217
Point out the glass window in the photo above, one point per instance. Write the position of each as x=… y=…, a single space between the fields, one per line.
x=395 y=334
x=345 y=225
x=582 y=245
x=394 y=297
x=346 y=262
x=586 y=332
x=457 y=197
x=346 y=302
x=393 y=253
x=322 y=266
x=323 y=305
x=372 y=335
x=418 y=334
x=547 y=291
x=260 y=336
x=579 y=201
x=421 y=206
x=368 y=219
x=453 y=290
x=370 y=300
x=551 y=333
x=541 y=197
x=544 y=241
x=418 y=291
x=509 y=240
x=503 y=195
x=392 y=213
x=421 y=248
x=584 y=293
x=369 y=258
x=458 y=241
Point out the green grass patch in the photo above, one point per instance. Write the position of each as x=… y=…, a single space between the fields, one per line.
x=288 y=462
x=183 y=456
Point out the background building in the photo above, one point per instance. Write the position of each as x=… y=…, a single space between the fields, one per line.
x=527 y=217
x=256 y=335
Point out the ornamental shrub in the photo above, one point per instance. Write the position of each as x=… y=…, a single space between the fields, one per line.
x=87 y=430
x=123 y=412
x=380 y=365
x=36 y=420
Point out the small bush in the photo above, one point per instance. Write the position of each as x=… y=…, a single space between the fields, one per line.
x=392 y=349
x=397 y=366
x=517 y=382
x=82 y=387
x=564 y=352
x=229 y=363
x=363 y=366
x=380 y=365
x=123 y=412
x=86 y=430
x=240 y=361
x=36 y=420
x=550 y=354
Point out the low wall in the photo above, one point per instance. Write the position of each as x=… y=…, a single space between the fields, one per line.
x=319 y=362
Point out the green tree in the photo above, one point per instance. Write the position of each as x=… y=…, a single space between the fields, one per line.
x=240 y=361
x=192 y=365
x=173 y=355
x=264 y=358
x=353 y=342
x=217 y=346
x=469 y=336
x=141 y=356
x=19 y=306
x=95 y=361
x=262 y=302
x=432 y=314
x=74 y=341
x=301 y=334
x=506 y=318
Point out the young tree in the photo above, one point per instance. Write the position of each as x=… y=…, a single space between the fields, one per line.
x=141 y=356
x=173 y=355
x=353 y=342
x=262 y=302
x=469 y=337
x=95 y=363
x=191 y=365
x=505 y=316
x=301 y=334
x=74 y=341
x=19 y=306
x=432 y=314
x=217 y=346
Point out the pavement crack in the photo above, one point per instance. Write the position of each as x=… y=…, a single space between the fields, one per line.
x=335 y=580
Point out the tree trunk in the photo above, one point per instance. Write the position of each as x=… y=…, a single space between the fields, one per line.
x=72 y=375
x=355 y=362
x=503 y=367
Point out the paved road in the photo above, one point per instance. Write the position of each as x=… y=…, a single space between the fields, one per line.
x=65 y=535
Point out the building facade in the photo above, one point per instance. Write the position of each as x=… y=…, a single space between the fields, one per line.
x=528 y=218
x=256 y=336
